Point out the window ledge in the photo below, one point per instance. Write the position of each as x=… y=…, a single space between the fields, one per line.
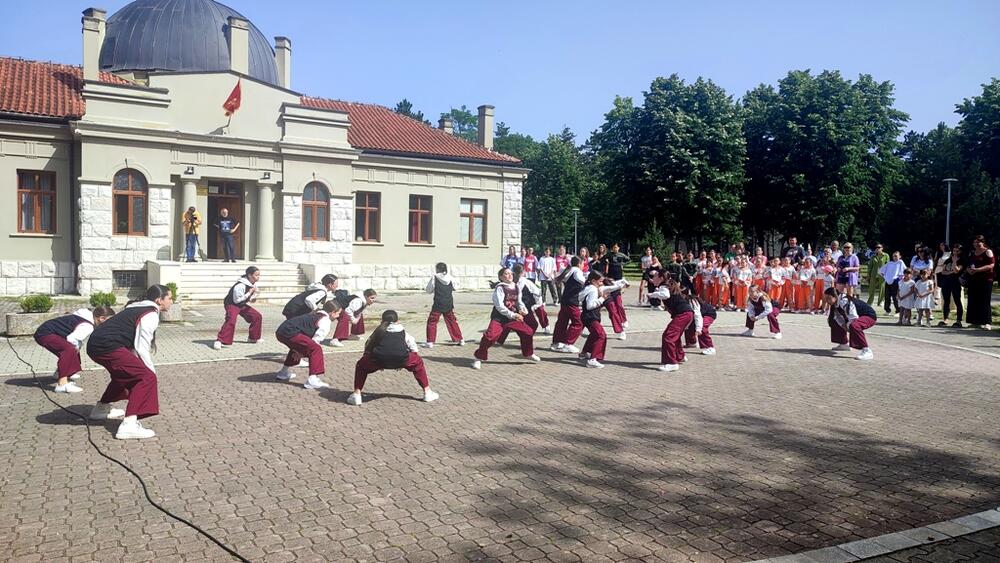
x=418 y=244
x=367 y=243
x=36 y=235
x=472 y=245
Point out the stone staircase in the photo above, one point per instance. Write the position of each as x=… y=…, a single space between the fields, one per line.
x=208 y=282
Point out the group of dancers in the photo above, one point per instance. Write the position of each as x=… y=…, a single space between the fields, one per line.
x=123 y=342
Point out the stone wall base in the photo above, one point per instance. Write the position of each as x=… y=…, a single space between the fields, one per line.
x=393 y=277
x=23 y=277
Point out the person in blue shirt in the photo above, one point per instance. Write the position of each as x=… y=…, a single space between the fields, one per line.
x=227 y=228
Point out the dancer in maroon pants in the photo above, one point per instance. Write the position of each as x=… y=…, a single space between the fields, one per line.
x=351 y=324
x=760 y=307
x=390 y=347
x=592 y=299
x=681 y=315
x=442 y=286
x=63 y=336
x=237 y=304
x=123 y=345
x=568 y=324
x=704 y=315
x=302 y=335
x=508 y=314
x=849 y=319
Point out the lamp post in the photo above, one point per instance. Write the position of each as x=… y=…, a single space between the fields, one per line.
x=576 y=248
x=947 y=219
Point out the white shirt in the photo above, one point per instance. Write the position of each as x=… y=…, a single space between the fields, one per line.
x=444 y=278
x=312 y=300
x=356 y=305
x=243 y=286
x=763 y=315
x=145 y=332
x=577 y=274
x=498 y=295
x=532 y=289
x=546 y=267
x=892 y=271
x=83 y=330
x=322 y=328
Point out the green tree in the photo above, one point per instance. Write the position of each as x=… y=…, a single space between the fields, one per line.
x=979 y=130
x=517 y=145
x=405 y=107
x=554 y=187
x=465 y=123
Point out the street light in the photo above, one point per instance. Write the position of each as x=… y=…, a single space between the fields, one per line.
x=947 y=219
x=576 y=249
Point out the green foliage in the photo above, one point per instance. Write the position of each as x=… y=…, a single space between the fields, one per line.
x=103 y=299
x=551 y=191
x=979 y=131
x=654 y=239
x=35 y=303
x=405 y=107
x=172 y=286
x=465 y=123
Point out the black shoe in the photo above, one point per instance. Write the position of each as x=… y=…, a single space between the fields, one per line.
x=958 y=324
x=942 y=323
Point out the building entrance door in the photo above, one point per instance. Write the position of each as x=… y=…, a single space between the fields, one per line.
x=225 y=195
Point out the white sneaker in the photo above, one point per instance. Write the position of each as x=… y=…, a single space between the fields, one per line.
x=304 y=362
x=133 y=430
x=354 y=399
x=669 y=367
x=592 y=363
x=534 y=358
x=776 y=336
x=217 y=345
x=585 y=333
x=558 y=347
x=285 y=374
x=625 y=324
x=571 y=349
x=460 y=342
x=865 y=355
x=336 y=343
x=477 y=364
x=987 y=327
x=68 y=388
x=708 y=352
x=841 y=348
x=430 y=395
x=623 y=336
x=314 y=382
x=747 y=332
x=74 y=377
x=104 y=411
x=427 y=345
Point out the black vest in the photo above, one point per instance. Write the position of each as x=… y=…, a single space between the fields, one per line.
x=758 y=306
x=588 y=316
x=391 y=351
x=306 y=324
x=571 y=292
x=297 y=305
x=527 y=297
x=443 y=301
x=117 y=332
x=509 y=301
x=707 y=310
x=60 y=326
x=865 y=310
x=677 y=304
x=229 y=296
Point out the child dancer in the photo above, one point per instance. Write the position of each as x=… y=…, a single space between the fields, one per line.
x=531 y=296
x=568 y=324
x=390 y=347
x=722 y=281
x=759 y=308
x=351 y=323
x=907 y=297
x=743 y=279
x=123 y=345
x=63 y=336
x=775 y=275
x=616 y=308
x=806 y=278
x=824 y=281
x=442 y=286
x=508 y=314
x=312 y=298
x=704 y=316
x=707 y=273
x=849 y=319
x=924 y=301
x=681 y=315
x=787 y=285
x=237 y=304
x=302 y=335
x=592 y=299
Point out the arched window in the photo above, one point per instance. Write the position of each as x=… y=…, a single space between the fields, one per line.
x=315 y=212
x=130 y=202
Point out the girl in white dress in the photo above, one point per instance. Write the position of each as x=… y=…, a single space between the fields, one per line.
x=907 y=297
x=924 y=301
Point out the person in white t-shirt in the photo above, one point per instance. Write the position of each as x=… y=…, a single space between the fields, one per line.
x=547 y=275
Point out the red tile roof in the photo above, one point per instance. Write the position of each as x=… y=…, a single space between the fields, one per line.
x=379 y=128
x=44 y=89
x=54 y=90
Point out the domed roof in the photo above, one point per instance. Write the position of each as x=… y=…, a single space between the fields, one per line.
x=179 y=35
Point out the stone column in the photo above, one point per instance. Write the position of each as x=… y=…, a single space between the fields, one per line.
x=189 y=198
x=265 y=223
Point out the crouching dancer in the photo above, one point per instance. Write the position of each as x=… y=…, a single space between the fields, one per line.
x=390 y=347
x=508 y=315
x=302 y=335
x=123 y=345
x=63 y=336
x=849 y=319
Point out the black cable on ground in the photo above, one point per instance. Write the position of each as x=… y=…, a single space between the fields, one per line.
x=145 y=490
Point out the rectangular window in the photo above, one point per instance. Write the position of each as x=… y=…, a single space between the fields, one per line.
x=36 y=202
x=420 y=219
x=472 y=221
x=367 y=216
x=128 y=279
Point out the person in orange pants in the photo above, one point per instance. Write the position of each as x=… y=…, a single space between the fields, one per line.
x=775 y=278
x=722 y=281
x=806 y=276
x=742 y=278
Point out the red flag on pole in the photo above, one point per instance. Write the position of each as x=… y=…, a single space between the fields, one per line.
x=233 y=101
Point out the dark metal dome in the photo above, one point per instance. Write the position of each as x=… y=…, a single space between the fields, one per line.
x=179 y=35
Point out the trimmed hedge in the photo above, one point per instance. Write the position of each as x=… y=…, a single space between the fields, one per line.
x=35 y=303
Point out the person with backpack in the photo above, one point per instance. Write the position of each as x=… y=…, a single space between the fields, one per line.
x=390 y=347
x=64 y=336
x=849 y=318
x=315 y=295
x=237 y=303
x=302 y=335
x=442 y=286
x=351 y=323
x=123 y=345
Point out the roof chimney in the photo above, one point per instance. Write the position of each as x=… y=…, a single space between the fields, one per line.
x=283 y=59
x=238 y=34
x=447 y=125
x=486 y=127
x=93 y=36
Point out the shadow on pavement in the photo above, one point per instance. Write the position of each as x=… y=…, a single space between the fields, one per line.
x=340 y=396
x=46 y=380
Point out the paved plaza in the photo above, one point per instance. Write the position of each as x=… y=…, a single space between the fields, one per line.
x=769 y=448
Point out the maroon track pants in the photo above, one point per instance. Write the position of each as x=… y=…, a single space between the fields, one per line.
x=300 y=346
x=855 y=333
x=568 y=325
x=496 y=329
x=671 y=350
x=249 y=314
x=450 y=322
x=705 y=339
x=597 y=341
x=345 y=329
x=772 y=320
x=368 y=365
x=69 y=357
x=132 y=380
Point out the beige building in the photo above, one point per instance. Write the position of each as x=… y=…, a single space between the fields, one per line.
x=102 y=160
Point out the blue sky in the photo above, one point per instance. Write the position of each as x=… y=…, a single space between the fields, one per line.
x=546 y=64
